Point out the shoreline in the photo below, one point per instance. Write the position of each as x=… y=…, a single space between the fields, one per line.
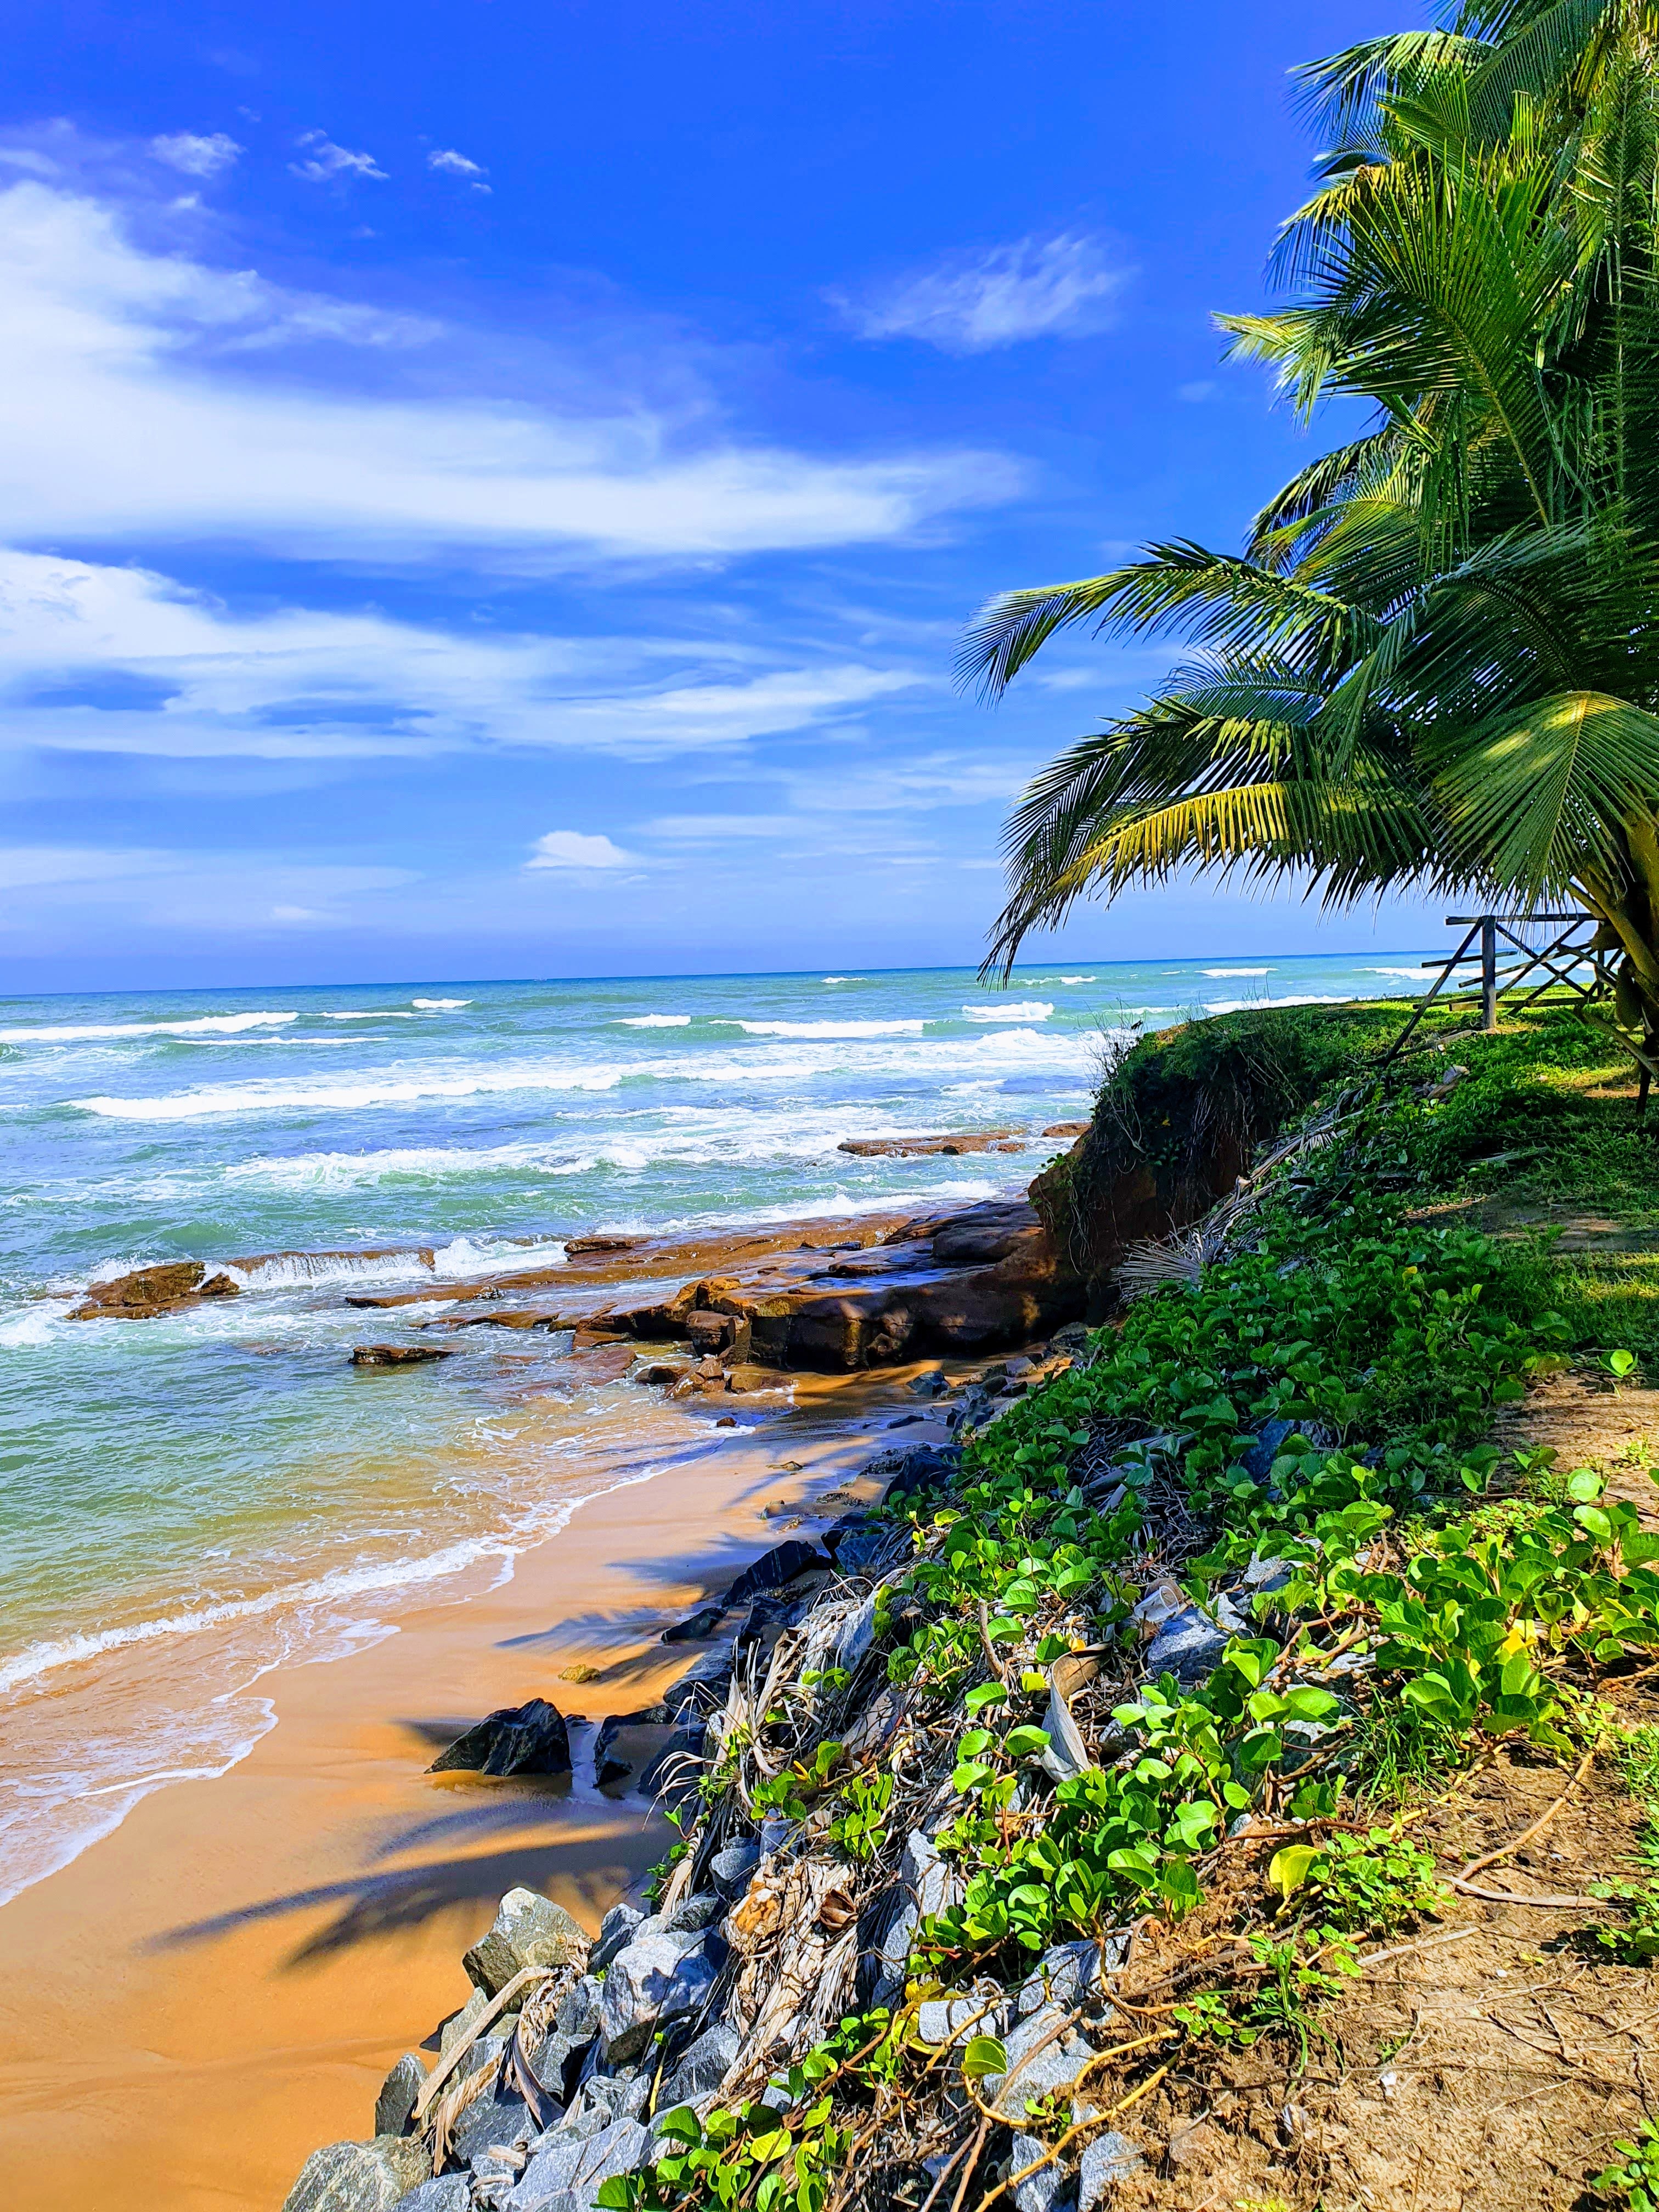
x=214 y=1986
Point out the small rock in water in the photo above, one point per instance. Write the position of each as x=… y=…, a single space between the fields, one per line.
x=581 y=1671
x=397 y=1355
x=529 y=1930
x=528 y=1739
x=358 y=2176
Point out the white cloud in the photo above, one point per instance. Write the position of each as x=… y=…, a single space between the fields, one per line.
x=127 y=420
x=196 y=156
x=457 y=165
x=98 y=658
x=570 y=848
x=1062 y=287
x=326 y=162
x=1197 y=392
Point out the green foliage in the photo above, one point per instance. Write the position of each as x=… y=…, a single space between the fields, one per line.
x=861 y=1830
x=1636 y=2178
x=1375 y=1884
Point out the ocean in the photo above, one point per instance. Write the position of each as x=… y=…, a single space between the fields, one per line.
x=188 y=1501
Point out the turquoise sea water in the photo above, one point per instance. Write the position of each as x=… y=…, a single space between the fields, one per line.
x=185 y=1502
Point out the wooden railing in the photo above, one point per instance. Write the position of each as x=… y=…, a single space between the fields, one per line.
x=1496 y=962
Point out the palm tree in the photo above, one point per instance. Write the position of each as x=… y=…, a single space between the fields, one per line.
x=1436 y=664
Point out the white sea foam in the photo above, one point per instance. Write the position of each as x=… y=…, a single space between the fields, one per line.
x=823 y=1030
x=1023 y=1010
x=1416 y=973
x=438 y=1005
x=1237 y=971
x=74 y=1033
x=372 y=1014
x=845 y=978
x=652 y=1022
x=1300 y=999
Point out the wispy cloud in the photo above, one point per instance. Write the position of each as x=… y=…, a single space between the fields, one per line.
x=196 y=156
x=457 y=165
x=124 y=426
x=570 y=849
x=96 y=657
x=325 y=163
x=1062 y=287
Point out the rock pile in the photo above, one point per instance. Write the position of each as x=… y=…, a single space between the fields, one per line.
x=563 y=2067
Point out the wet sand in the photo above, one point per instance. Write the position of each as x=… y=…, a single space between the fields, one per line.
x=219 y=1986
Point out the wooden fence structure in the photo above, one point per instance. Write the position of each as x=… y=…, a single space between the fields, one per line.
x=1493 y=960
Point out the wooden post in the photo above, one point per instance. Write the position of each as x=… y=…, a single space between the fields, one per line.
x=1489 y=973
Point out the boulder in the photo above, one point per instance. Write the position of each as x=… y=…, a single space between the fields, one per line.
x=1047 y=2188
x=745 y=1377
x=462 y=2022
x=395 y=2102
x=699 y=2071
x=399 y=1355
x=1110 y=2159
x=528 y=1739
x=978 y=1140
x=529 y=1930
x=697 y=1627
x=655 y=1979
x=148 y=1290
x=1070 y=1973
x=773 y=1569
x=617 y=1931
x=566 y=2174
x=1189 y=1645
x=448 y=2192
x=731 y=1870
x=1037 y=2066
x=360 y=2177
x=578 y=2015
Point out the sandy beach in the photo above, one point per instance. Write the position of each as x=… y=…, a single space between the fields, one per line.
x=219 y=1985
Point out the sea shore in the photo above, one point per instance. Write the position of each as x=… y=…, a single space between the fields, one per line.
x=219 y=1985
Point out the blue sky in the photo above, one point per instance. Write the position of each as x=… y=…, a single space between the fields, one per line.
x=495 y=491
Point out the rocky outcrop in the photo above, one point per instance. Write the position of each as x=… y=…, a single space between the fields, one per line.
x=147 y=1291
x=890 y=1148
x=397 y=1355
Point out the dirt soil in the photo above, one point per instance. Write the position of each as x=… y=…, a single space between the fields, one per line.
x=1488 y=2059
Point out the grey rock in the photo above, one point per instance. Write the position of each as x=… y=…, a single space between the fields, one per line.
x=1189 y=1646
x=578 y=2015
x=360 y=2177
x=495 y=2117
x=773 y=1569
x=920 y=1469
x=396 y=2101
x=528 y=1931
x=731 y=1869
x=669 y=1772
x=575 y=2170
x=616 y=1932
x=697 y=1627
x=1110 y=2159
x=528 y=1739
x=1071 y=1971
x=703 y=1686
x=449 y=2192
x=462 y=2023
x=653 y=1980
x=550 y=2063
x=776 y=1830
x=694 y=1913
x=933 y=1383
x=701 y=2069
x=933 y=1883
x=1036 y=2068
x=946 y=2019
x=1047 y=2188
x=1265 y=1574
x=886 y=1924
